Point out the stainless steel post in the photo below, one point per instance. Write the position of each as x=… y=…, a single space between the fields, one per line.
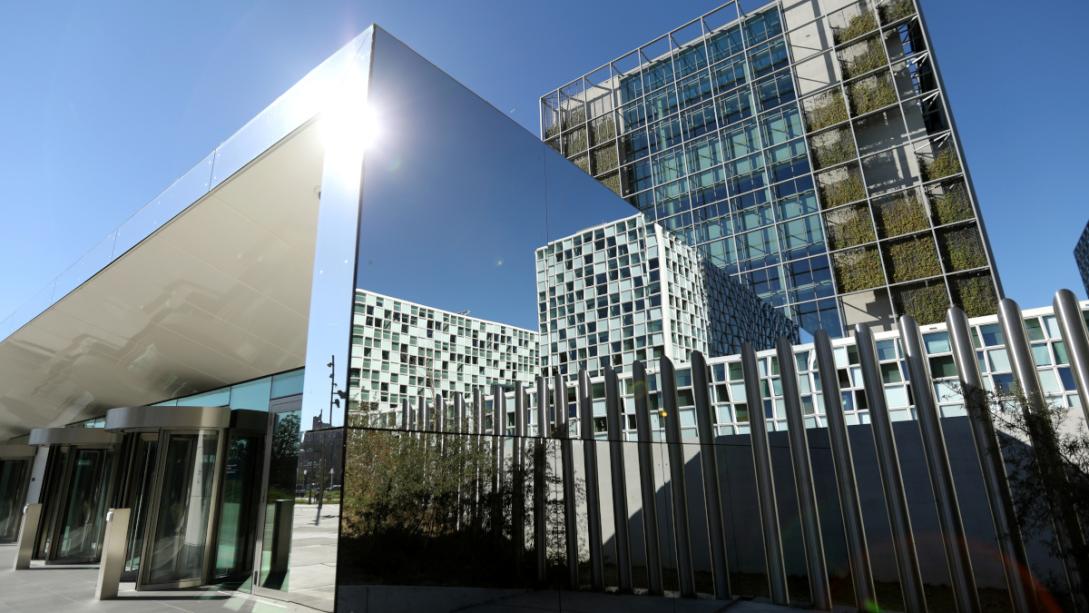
x=765 y=482
x=540 y=491
x=499 y=430
x=682 y=535
x=712 y=492
x=112 y=563
x=1049 y=460
x=406 y=415
x=567 y=462
x=459 y=414
x=1003 y=513
x=647 y=488
x=950 y=522
x=518 y=482
x=620 y=490
x=819 y=589
x=440 y=413
x=478 y=411
x=1076 y=336
x=593 y=497
x=425 y=414
x=854 y=529
x=888 y=461
x=28 y=533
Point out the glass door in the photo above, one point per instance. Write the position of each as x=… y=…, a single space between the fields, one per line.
x=235 y=534
x=177 y=548
x=280 y=494
x=78 y=536
x=13 y=474
x=141 y=479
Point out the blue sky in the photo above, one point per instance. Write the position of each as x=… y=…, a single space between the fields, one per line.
x=106 y=103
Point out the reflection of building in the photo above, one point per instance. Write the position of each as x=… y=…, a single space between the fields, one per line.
x=807 y=148
x=1081 y=256
x=402 y=350
x=320 y=456
x=629 y=290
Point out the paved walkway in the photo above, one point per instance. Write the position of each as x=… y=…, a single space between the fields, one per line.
x=48 y=589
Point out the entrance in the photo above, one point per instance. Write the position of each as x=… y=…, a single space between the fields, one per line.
x=191 y=486
x=14 y=472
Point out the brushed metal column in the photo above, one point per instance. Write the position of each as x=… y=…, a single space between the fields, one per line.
x=819 y=589
x=478 y=411
x=647 y=487
x=892 y=481
x=440 y=413
x=615 y=432
x=765 y=482
x=425 y=414
x=712 y=490
x=477 y=430
x=996 y=484
x=682 y=535
x=567 y=462
x=459 y=413
x=518 y=481
x=950 y=522
x=854 y=528
x=499 y=430
x=540 y=491
x=1049 y=461
x=406 y=415
x=1076 y=336
x=593 y=497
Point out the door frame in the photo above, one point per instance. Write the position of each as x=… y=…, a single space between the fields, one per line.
x=276 y=407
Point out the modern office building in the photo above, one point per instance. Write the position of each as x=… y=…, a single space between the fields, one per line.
x=629 y=290
x=194 y=373
x=1081 y=257
x=806 y=148
x=402 y=351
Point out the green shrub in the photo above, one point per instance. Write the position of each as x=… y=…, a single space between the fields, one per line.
x=574 y=141
x=612 y=182
x=952 y=204
x=583 y=162
x=849 y=226
x=975 y=295
x=902 y=214
x=856 y=26
x=913 y=258
x=871 y=93
x=826 y=109
x=604 y=159
x=962 y=248
x=943 y=164
x=835 y=192
x=895 y=10
x=831 y=148
x=858 y=269
x=603 y=130
x=870 y=58
x=552 y=131
x=926 y=303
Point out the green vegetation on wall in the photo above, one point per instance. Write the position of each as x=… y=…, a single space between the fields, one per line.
x=962 y=248
x=871 y=93
x=895 y=10
x=574 y=141
x=825 y=110
x=943 y=164
x=840 y=186
x=604 y=159
x=612 y=182
x=902 y=214
x=856 y=26
x=950 y=203
x=849 y=226
x=833 y=147
x=975 y=295
x=858 y=269
x=863 y=57
x=912 y=258
x=926 y=303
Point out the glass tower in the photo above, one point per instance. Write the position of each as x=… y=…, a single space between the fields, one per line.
x=806 y=149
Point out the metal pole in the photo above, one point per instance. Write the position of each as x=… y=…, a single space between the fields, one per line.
x=950 y=522
x=425 y=414
x=459 y=413
x=406 y=415
x=647 y=488
x=567 y=461
x=440 y=413
x=1008 y=533
x=518 y=462
x=593 y=499
x=1049 y=460
x=819 y=589
x=540 y=528
x=620 y=490
x=686 y=578
x=712 y=492
x=888 y=461
x=854 y=528
x=765 y=483
x=1074 y=333
x=499 y=429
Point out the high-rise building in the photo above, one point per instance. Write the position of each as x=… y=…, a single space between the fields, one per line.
x=630 y=290
x=806 y=148
x=403 y=351
x=1081 y=256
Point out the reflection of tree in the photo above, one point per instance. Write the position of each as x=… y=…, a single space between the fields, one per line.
x=421 y=508
x=285 y=456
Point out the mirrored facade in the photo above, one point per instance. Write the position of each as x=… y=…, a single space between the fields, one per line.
x=806 y=149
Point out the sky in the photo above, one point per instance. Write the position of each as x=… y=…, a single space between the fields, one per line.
x=106 y=103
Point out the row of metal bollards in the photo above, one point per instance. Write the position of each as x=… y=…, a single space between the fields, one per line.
x=552 y=420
